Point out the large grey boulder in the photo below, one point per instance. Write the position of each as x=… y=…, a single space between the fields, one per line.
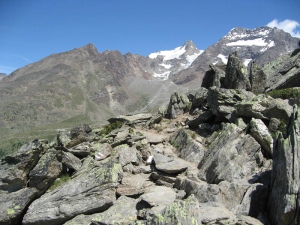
x=217 y=215
x=131 y=119
x=46 y=171
x=221 y=101
x=188 y=149
x=199 y=98
x=283 y=205
x=236 y=74
x=12 y=205
x=264 y=107
x=71 y=161
x=91 y=191
x=122 y=212
x=158 y=195
x=169 y=165
x=178 y=103
x=261 y=134
x=258 y=78
x=232 y=155
x=14 y=168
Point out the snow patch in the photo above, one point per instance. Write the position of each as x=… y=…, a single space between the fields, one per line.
x=163 y=76
x=257 y=42
x=167 y=66
x=191 y=58
x=223 y=58
x=169 y=54
x=247 y=61
x=271 y=44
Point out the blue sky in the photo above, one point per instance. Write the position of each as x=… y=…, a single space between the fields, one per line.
x=33 y=29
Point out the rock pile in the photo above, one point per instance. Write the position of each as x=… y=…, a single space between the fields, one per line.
x=217 y=158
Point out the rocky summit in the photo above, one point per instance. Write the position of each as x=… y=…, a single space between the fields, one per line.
x=219 y=155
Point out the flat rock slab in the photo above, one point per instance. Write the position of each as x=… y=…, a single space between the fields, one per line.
x=154 y=138
x=122 y=212
x=169 y=165
x=126 y=154
x=217 y=215
x=89 y=192
x=131 y=119
x=159 y=195
x=132 y=184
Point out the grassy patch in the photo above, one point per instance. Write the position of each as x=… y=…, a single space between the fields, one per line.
x=64 y=178
x=110 y=127
x=285 y=93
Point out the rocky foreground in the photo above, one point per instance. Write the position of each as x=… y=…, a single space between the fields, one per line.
x=221 y=155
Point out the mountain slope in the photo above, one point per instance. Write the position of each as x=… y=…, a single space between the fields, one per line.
x=262 y=44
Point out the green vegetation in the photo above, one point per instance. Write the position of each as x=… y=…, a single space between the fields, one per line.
x=64 y=178
x=11 y=147
x=285 y=93
x=110 y=127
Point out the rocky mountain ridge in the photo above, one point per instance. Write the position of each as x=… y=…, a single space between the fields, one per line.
x=219 y=155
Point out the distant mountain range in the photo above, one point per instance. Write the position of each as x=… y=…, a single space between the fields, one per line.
x=85 y=85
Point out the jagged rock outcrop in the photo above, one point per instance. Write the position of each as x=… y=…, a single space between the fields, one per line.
x=214 y=76
x=236 y=76
x=178 y=103
x=283 y=204
x=258 y=78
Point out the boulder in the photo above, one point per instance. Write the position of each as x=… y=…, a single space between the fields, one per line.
x=71 y=161
x=158 y=195
x=232 y=155
x=15 y=168
x=236 y=74
x=203 y=117
x=169 y=165
x=283 y=204
x=188 y=149
x=132 y=185
x=102 y=151
x=261 y=134
x=12 y=205
x=217 y=215
x=264 y=107
x=184 y=212
x=91 y=191
x=126 y=154
x=82 y=129
x=46 y=171
x=258 y=78
x=222 y=101
x=214 y=76
x=122 y=212
x=199 y=98
x=81 y=150
x=178 y=103
x=131 y=119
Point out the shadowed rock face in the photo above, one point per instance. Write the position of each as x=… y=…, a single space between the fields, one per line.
x=283 y=205
x=236 y=74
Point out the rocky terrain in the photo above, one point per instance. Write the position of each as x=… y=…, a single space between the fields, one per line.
x=223 y=154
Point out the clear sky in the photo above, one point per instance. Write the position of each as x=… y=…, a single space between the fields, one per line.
x=33 y=29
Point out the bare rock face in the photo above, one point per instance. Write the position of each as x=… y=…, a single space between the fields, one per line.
x=283 y=205
x=236 y=74
x=214 y=76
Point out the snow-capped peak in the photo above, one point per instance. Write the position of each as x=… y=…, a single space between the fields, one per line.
x=172 y=61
